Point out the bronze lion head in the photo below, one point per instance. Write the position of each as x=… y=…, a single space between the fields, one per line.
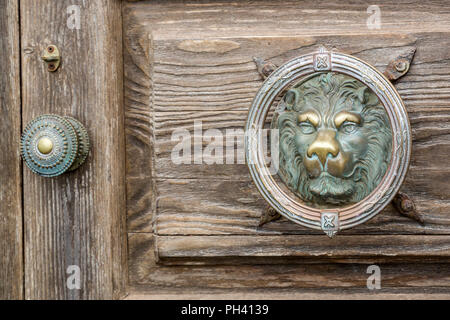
x=334 y=140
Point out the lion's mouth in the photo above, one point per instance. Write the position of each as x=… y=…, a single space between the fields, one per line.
x=331 y=189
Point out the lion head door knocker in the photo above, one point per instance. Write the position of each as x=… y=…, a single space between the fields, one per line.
x=343 y=141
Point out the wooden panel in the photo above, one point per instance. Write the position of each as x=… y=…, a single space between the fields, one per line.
x=218 y=89
x=138 y=127
x=277 y=280
x=77 y=218
x=11 y=263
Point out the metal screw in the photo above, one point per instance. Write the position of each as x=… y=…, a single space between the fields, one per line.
x=401 y=66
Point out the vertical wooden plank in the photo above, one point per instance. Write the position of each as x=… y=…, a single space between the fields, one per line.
x=11 y=254
x=77 y=219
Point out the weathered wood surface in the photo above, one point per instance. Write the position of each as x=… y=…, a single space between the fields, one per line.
x=11 y=248
x=78 y=218
x=278 y=281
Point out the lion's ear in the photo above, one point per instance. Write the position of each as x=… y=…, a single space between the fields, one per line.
x=362 y=94
x=291 y=99
x=366 y=96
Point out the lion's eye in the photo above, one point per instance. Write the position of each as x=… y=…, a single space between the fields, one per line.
x=307 y=127
x=348 y=127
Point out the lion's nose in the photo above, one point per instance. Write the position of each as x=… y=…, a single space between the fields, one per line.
x=324 y=144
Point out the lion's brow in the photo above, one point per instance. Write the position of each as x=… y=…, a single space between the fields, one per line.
x=343 y=116
x=309 y=116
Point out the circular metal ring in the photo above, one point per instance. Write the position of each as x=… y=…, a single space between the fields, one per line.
x=83 y=143
x=293 y=72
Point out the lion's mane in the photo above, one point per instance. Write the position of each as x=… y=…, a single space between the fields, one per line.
x=370 y=170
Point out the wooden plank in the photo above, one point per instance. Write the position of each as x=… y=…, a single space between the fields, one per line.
x=231 y=207
x=11 y=246
x=149 y=277
x=78 y=218
x=216 y=18
x=301 y=249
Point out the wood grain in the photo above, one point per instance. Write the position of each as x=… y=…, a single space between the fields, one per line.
x=11 y=232
x=206 y=207
x=77 y=218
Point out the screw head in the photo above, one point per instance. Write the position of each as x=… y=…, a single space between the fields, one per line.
x=401 y=66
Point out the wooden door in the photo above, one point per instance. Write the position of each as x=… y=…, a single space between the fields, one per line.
x=193 y=228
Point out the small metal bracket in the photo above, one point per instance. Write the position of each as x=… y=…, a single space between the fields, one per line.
x=399 y=66
x=322 y=60
x=329 y=221
x=52 y=57
x=265 y=68
x=396 y=69
x=269 y=214
x=406 y=206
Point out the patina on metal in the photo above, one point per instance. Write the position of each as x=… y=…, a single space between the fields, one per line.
x=51 y=145
x=335 y=140
x=52 y=57
x=336 y=113
x=83 y=143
